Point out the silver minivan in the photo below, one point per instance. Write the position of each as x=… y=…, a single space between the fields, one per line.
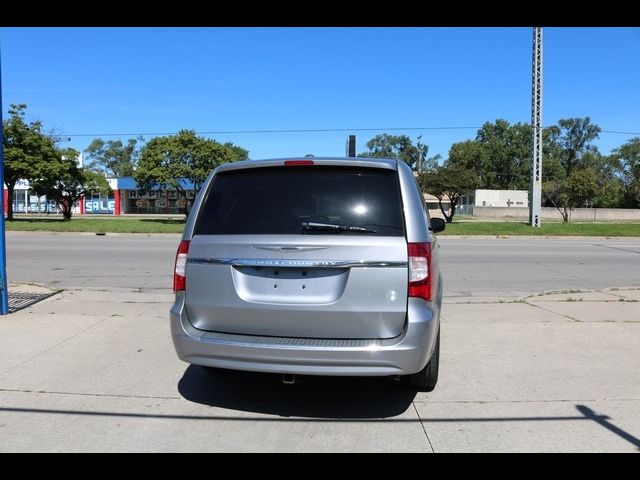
x=310 y=266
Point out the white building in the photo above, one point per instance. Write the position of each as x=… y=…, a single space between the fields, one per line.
x=496 y=198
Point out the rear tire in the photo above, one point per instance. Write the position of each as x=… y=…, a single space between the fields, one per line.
x=427 y=378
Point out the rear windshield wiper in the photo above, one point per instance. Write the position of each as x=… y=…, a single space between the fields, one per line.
x=335 y=227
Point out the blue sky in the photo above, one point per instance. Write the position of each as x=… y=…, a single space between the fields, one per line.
x=85 y=81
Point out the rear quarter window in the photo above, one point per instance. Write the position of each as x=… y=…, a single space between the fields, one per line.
x=278 y=200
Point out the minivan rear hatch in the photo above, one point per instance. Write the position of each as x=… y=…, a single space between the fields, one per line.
x=309 y=251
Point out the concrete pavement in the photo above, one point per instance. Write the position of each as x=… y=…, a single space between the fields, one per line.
x=94 y=369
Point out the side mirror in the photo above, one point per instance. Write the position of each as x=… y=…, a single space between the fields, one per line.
x=437 y=225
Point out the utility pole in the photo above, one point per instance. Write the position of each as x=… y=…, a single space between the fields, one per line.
x=4 y=294
x=535 y=195
x=419 y=153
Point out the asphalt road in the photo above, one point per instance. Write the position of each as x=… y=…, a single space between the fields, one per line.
x=471 y=266
x=517 y=266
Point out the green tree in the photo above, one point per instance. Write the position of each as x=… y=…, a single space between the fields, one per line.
x=449 y=180
x=501 y=154
x=552 y=168
x=468 y=154
x=505 y=155
x=25 y=147
x=610 y=192
x=627 y=158
x=165 y=161
x=114 y=157
x=392 y=146
x=581 y=187
x=62 y=180
x=574 y=162
x=431 y=163
x=578 y=188
x=575 y=143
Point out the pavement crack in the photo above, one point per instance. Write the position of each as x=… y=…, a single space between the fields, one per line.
x=423 y=427
x=77 y=394
x=551 y=311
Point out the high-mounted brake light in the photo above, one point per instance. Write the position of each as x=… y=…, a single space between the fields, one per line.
x=293 y=163
x=420 y=284
x=180 y=269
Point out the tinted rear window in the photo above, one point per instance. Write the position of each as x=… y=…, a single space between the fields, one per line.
x=279 y=200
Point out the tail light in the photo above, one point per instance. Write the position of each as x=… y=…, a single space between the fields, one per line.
x=420 y=274
x=180 y=269
x=298 y=163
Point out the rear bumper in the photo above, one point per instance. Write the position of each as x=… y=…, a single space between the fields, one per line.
x=403 y=355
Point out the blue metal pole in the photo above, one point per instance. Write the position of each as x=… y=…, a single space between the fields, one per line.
x=4 y=294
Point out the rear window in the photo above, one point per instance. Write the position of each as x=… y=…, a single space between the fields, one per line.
x=279 y=200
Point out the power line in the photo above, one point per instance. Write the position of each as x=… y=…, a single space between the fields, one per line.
x=310 y=130
x=620 y=133
x=298 y=130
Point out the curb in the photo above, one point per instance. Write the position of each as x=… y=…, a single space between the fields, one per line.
x=541 y=237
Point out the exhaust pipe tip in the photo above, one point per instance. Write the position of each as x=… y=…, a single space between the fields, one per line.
x=288 y=379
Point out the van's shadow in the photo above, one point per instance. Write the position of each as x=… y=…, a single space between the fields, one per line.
x=312 y=397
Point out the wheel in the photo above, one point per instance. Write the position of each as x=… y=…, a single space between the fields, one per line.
x=425 y=380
